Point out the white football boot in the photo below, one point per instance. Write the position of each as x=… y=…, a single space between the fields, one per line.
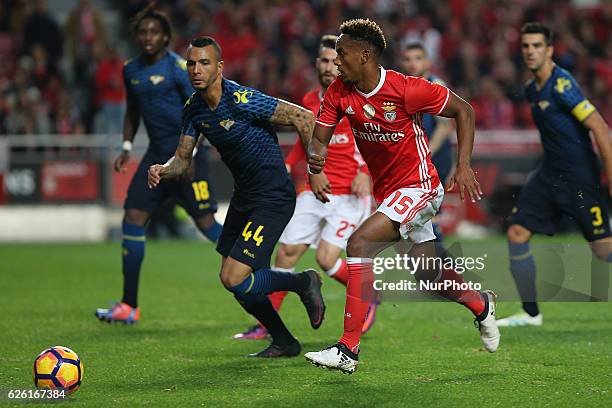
x=336 y=357
x=489 y=333
x=520 y=319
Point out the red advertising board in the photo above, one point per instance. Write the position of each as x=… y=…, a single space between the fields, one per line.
x=121 y=182
x=70 y=181
x=2 y=190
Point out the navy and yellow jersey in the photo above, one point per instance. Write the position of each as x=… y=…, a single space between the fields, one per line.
x=559 y=110
x=240 y=130
x=160 y=91
x=443 y=159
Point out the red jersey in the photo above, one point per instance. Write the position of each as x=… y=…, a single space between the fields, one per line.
x=388 y=129
x=343 y=159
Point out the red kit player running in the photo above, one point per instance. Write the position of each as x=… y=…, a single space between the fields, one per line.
x=335 y=201
x=384 y=110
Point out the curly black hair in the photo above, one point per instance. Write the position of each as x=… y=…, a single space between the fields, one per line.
x=367 y=31
x=150 y=11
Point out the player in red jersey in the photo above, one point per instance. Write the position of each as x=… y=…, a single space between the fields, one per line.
x=384 y=110
x=335 y=201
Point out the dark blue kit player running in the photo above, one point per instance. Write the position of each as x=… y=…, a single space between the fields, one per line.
x=157 y=86
x=238 y=121
x=568 y=181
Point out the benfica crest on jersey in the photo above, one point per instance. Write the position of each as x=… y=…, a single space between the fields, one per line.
x=368 y=111
x=389 y=108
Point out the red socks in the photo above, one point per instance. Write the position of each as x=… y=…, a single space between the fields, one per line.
x=339 y=272
x=471 y=299
x=276 y=298
x=359 y=295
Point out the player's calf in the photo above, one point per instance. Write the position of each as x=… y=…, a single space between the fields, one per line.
x=288 y=255
x=523 y=267
x=209 y=227
x=602 y=249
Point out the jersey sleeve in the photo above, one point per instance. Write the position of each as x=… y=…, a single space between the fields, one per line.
x=257 y=104
x=421 y=95
x=329 y=113
x=126 y=81
x=188 y=126
x=182 y=78
x=569 y=96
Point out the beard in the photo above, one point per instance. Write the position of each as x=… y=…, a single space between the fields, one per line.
x=325 y=80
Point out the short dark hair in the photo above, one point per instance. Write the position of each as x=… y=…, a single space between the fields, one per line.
x=415 y=46
x=151 y=12
x=328 y=41
x=205 y=41
x=367 y=31
x=538 y=28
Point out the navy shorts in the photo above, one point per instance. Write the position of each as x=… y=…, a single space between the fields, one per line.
x=251 y=230
x=545 y=198
x=194 y=195
x=443 y=162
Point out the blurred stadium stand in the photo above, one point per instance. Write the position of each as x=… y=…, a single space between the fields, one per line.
x=61 y=95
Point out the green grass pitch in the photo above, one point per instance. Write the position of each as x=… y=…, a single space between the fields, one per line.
x=181 y=354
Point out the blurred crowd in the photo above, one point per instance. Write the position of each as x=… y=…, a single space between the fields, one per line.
x=64 y=77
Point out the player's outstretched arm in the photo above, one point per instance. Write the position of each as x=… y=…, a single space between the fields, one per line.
x=464 y=176
x=317 y=150
x=177 y=165
x=290 y=114
x=596 y=124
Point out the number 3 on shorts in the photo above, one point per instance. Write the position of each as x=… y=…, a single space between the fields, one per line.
x=247 y=233
x=597 y=218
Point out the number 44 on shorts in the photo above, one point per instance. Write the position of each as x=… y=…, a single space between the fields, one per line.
x=248 y=234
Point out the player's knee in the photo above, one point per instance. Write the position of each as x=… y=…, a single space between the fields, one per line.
x=205 y=221
x=602 y=249
x=287 y=252
x=518 y=234
x=230 y=280
x=357 y=246
x=136 y=217
x=325 y=261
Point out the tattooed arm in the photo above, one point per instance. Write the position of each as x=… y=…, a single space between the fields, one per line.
x=177 y=165
x=289 y=114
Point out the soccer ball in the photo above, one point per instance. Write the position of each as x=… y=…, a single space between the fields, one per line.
x=58 y=368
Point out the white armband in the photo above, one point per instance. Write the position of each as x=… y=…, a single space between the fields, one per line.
x=126 y=146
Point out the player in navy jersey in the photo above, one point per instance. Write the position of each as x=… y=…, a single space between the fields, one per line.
x=437 y=128
x=157 y=87
x=567 y=182
x=238 y=120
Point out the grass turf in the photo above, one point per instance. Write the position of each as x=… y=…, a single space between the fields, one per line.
x=180 y=354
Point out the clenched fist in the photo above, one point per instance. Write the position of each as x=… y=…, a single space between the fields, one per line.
x=155 y=173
